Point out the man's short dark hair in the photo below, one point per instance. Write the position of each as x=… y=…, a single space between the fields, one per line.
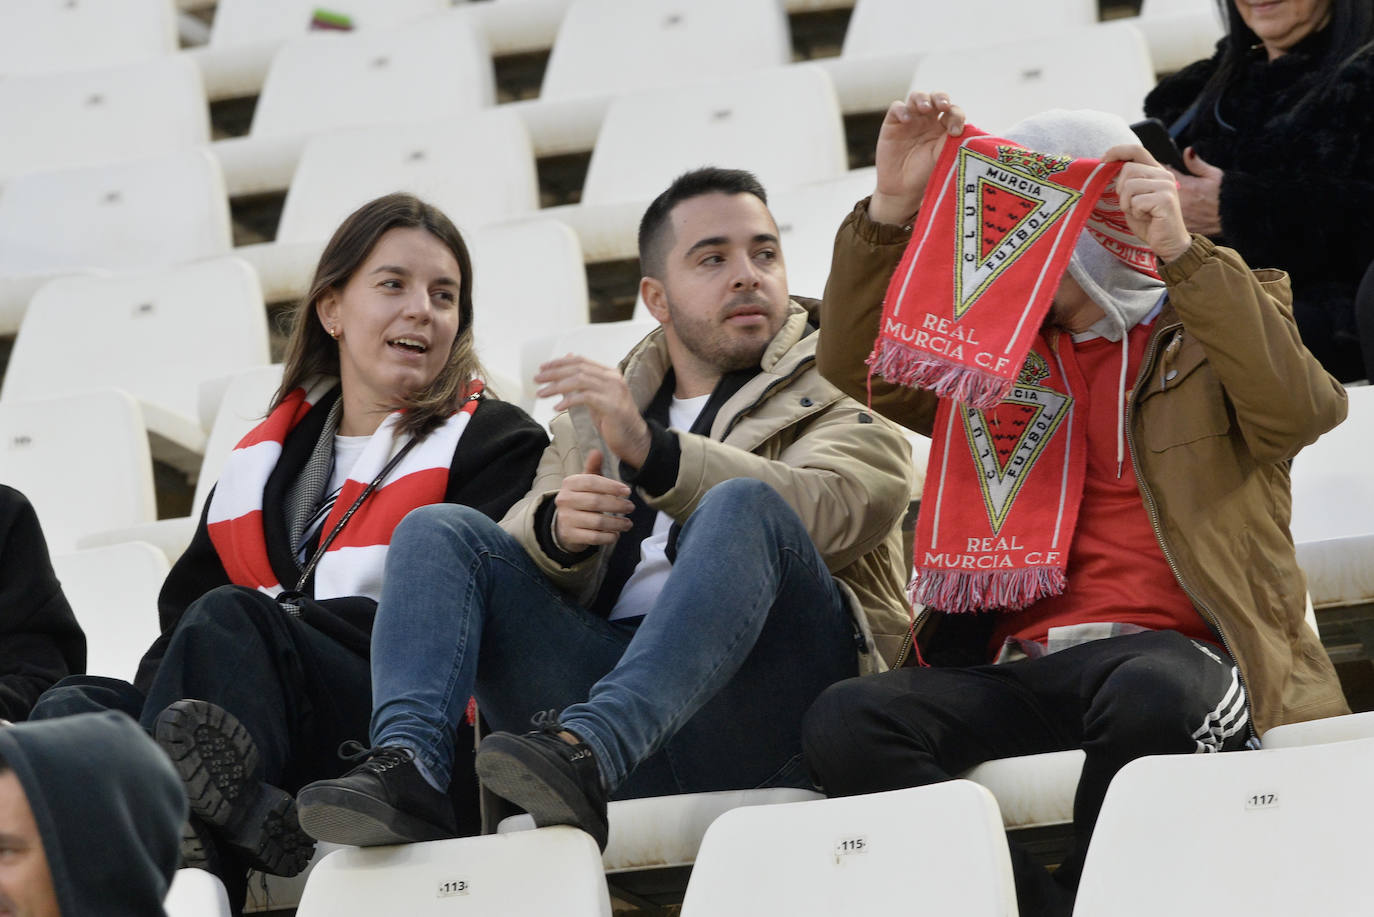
x=653 y=238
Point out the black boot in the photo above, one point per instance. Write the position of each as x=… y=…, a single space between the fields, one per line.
x=556 y=782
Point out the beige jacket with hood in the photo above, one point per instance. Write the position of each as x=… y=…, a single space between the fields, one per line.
x=845 y=472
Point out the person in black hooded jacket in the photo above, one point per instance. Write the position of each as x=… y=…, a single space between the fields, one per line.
x=90 y=817
x=1276 y=132
x=40 y=641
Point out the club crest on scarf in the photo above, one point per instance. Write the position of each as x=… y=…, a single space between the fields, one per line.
x=1007 y=205
x=1007 y=441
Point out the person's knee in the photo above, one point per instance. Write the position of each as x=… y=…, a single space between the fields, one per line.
x=87 y=694
x=742 y=495
x=1143 y=708
x=425 y=527
x=833 y=735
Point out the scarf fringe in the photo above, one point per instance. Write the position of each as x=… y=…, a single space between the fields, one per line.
x=908 y=366
x=1009 y=590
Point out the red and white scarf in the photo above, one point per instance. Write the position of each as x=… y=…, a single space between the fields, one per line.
x=353 y=563
x=963 y=317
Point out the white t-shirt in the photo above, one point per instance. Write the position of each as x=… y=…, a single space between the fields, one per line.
x=646 y=582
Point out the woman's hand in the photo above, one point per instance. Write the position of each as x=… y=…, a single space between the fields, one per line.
x=909 y=143
x=1199 y=194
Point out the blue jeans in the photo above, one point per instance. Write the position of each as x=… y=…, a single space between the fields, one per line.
x=708 y=693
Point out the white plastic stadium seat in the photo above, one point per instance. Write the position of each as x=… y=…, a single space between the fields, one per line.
x=604 y=46
x=156 y=335
x=662 y=832
x=808 y=216
x=1333 y=508
x=1319 y=732
x=50 y=36
x=880 y=27
x=128 y=216
x=1270 y=832
x=549 y=871
x=229 y=408
x=999 y=84
x=431 y=69
x=530 y=284
x=477 y=168
x=933 y=850
x=1179 y=31
x=82 y=460
x=113 y=591
x=196 y=893
x=605 y=342
x=59 y=121
x=783 y=124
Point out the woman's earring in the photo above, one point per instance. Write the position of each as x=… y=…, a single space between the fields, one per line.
x=333 y=332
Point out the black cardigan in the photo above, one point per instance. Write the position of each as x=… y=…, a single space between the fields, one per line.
x=493 y=467
x=1298 y=193
x=40 y=641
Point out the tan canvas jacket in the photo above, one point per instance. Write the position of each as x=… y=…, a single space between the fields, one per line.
x=845 y=472
x=1226 y=396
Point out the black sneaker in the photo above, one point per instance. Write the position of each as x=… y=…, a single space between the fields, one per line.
x=218 y=763
x=384 y=800
x=557 y=783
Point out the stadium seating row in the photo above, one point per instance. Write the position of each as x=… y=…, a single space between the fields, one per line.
x=1216 y=833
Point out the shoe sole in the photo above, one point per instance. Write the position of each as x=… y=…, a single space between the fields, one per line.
x=343 y=816
x=515 y=772
x=219 y=765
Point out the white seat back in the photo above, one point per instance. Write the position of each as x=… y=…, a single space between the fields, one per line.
x=879 y=27
x=605 y=342
x=1333 y=508
x=156 y=335
x=603 y=44
x=783 y=124
x=113 y=591
x=549 y=871
x=477 y=168
x=997 y=85
x=940 y=846
x=516 y=307
x=1291 y=822
x=808 y=216
x=196 y=893
x=94 y=116
x=242 y=22
x=82 y=461
x=135 y=215
x=432 y=68
x=50 y=36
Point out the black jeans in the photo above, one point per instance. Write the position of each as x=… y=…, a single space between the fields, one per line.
x=1118 y=699
x=299 y=693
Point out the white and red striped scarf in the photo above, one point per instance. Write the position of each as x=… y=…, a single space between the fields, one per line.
x=353 y=563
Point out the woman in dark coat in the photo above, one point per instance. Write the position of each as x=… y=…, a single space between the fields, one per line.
x=1277 y=129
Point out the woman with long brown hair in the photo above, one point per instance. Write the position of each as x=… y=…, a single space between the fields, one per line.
x=262 y=668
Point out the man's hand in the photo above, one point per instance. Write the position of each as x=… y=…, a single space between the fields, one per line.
x=1149 y=200
x=602 y=390
x=909 y=143
x=1200 y=194
x=591 y=509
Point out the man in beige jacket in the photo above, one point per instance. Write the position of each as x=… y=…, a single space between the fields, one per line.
x=712 y=538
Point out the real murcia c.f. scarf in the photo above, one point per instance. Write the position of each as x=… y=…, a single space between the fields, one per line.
x=353 y=563
x=963 y=317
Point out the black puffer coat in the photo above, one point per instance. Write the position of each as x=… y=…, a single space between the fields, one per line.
x=1298 y=193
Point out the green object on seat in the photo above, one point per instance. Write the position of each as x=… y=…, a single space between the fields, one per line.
x=322 y=18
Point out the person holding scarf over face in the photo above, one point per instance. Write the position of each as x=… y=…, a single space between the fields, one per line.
x=1102 y=558
x=262 y=669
